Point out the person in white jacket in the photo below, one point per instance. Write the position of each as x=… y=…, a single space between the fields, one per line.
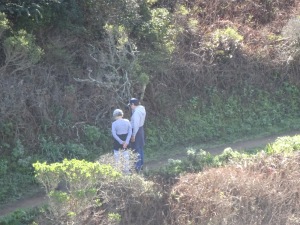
x=138 y=134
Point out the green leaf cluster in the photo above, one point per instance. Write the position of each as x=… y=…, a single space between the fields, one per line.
x=21 y=217
x=78 y=174
x=4 y=24
x=224 y=42
x=286 y=145
x=73 y=185
x=198 y=159
x=21 y=51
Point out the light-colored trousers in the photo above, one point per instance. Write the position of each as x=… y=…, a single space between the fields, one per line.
x=122 y=160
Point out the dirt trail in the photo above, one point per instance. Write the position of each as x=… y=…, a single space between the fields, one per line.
x=40 y=198
x=240 y=145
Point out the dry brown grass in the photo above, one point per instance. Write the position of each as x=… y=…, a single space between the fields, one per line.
x=260 y=191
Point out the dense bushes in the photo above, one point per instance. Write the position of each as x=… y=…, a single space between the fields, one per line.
x=205 y=72
x=18 y=217
x=231 y=188
x=94 y=193
x=259 y=189
x=239 y=195
x=217 y=119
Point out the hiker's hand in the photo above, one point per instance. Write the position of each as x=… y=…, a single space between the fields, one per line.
x=125 y=144
x=132 y=139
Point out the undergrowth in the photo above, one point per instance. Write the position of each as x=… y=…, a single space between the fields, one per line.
x=224 y=89
x=249 y=189
x=197 y=160
x=219 y=119
x=230 y=188
x=223 y=118
x=21 y=217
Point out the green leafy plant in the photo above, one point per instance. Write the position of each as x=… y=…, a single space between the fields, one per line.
x=51 y=149
x=159 y=30
x=92 y=134
x=80 y=192
x=4 y=23
x=96 y=140
x=21 y=51
x=285 y=145
x=3 y=167
x=224 y=42
x=81 y=182
x=20 y=216
x=114 y=218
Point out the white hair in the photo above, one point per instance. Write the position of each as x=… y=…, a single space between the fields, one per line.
x=118 y=112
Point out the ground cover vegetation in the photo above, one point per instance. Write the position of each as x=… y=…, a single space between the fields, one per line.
x=234 y=187
x=206 y=71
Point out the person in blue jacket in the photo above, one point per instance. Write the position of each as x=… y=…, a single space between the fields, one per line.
x=138 y=134
x=122 y=132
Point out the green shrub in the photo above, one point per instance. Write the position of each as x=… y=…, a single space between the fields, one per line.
x=53 y=150
x=97 y=140
x=80 y=182
x=20 y=217
x=21 y=51
x=74 y=150
x=3 y=167
x=93 y=191
x=285 y=145
x=198 y=160
x=4 y=24
x=14 y=185
x=16 y=173
x=92 y=134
